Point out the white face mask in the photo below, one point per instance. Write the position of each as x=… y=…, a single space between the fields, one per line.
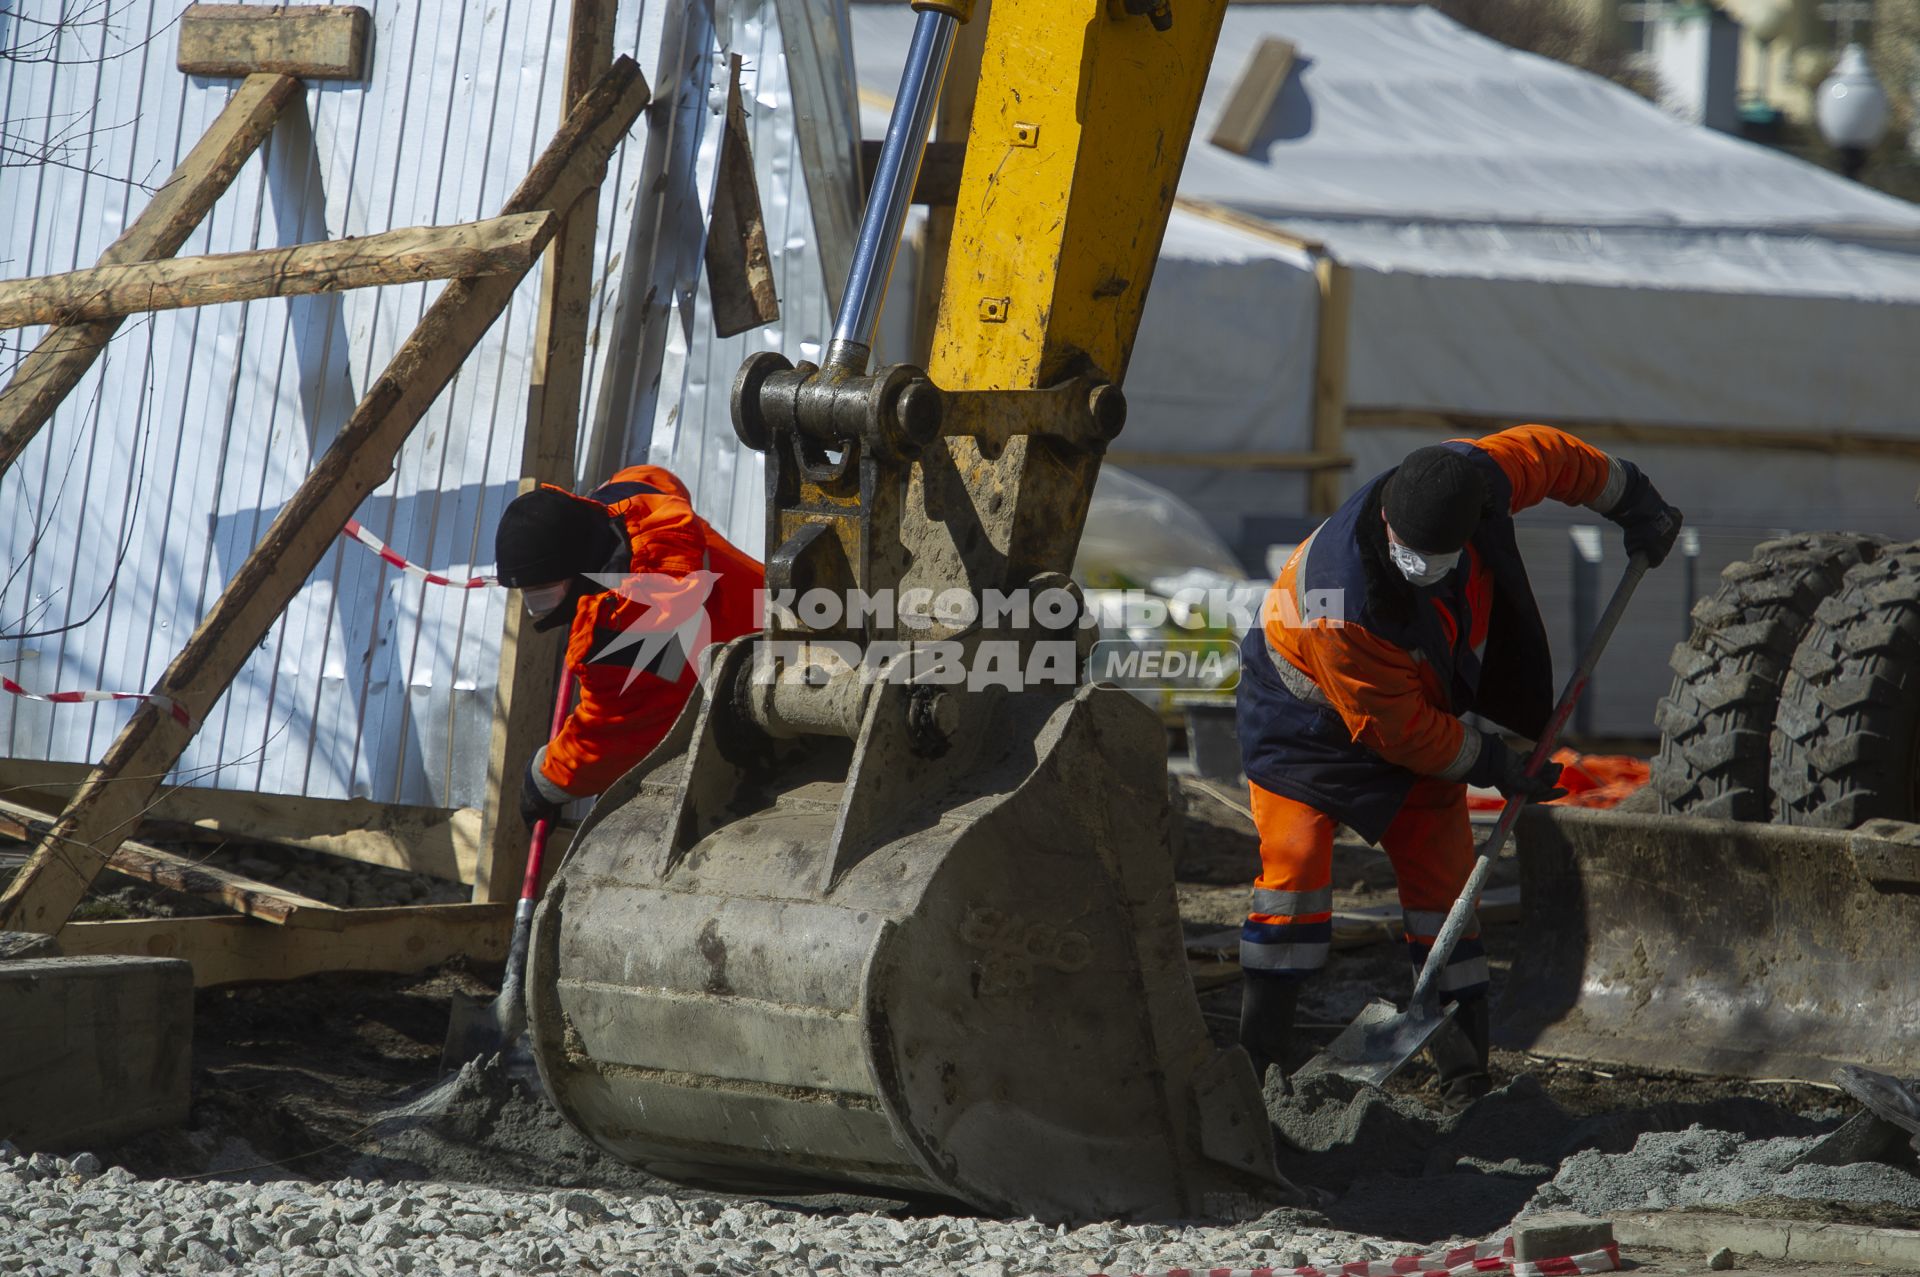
x=1421 y=569
x=542 y=599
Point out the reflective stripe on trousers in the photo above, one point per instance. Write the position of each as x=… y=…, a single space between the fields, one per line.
x=1285 y=948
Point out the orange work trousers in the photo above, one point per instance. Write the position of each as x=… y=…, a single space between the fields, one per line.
x=1289 y=927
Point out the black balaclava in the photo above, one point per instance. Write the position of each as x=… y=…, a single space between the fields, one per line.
x=1434 y=501
x=546 y=536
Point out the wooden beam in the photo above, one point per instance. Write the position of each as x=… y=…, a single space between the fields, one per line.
x=314 y=42
x=443 y=842
x=56 y=365
x=493 y=247
x=246 y=896
x=138 y=861
x=530 y=660
x=1282 y=461
x=360 y=458
x=244 y=950
x=1831 y=443
x=938 y=183
x=1330 y=379
x=739 y=266
x=1258 y=227
x=1250 y=106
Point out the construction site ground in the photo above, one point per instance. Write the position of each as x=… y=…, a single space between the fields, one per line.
x=318 y=1106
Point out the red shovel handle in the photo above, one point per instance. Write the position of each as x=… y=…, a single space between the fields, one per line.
x=537 y=844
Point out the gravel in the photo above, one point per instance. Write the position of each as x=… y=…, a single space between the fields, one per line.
x=1701 y=1167
x=71 y=1216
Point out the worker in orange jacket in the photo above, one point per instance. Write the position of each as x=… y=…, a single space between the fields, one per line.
x=1371 y=646
x=645 y=584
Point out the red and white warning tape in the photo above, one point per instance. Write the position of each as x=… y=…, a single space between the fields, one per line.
x=392 y=556
x=168 y=704
x=179 y=711
x=1487 y=1257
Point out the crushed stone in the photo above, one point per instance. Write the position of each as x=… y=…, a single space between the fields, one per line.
x=59 y=1216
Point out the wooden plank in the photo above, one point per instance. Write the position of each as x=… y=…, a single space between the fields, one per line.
x=493 y=247
x=1330 y=379
x=443 y=842
x=314 y=42
x=56 y=365
x=1831 y=443
x=244 y=950
x=1250 y=106
x=530 y=660
x=739 y=265
x=1258 y=227
x=1282 y=461
x=938 y=183
x=360 y=458
x=246 y=896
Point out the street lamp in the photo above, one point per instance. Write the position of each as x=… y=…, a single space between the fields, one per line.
x=1851 y=110
x=1850 y=106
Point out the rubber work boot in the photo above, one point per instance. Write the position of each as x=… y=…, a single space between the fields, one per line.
x=1266 y=1023
x=1460 y=1056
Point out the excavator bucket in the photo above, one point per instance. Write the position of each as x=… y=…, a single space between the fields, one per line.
x=834 y=964
x=1715 y=946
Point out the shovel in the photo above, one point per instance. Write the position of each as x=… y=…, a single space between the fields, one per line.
x=1382 y=1038
x=479 y=1028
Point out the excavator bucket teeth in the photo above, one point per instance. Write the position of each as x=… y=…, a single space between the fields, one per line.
x=1714 y=946
x=960 y=975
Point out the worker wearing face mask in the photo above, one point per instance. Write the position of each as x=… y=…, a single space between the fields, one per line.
x=643 y=583
x=1372 y=644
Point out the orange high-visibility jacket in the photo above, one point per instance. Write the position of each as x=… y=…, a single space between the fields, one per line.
x=1391 y=701
x=631 y=678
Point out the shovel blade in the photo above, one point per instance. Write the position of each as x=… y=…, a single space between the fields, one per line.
x=476 y=1029
x=1379 y=1043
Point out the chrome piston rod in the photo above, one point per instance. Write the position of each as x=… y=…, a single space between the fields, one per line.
x=892 y=193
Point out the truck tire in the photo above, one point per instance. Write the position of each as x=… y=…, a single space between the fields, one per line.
x=1846 y=743
x=1716 y=723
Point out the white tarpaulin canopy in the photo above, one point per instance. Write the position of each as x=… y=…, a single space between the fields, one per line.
x=1526 y=241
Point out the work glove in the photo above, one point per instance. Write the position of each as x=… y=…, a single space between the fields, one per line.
x=1503 y=769
x=535 y=806
x=1648 y=523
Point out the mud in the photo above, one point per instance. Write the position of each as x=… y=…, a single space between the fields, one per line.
x=488 y=1124
x=1389 y=1164
x=1701 y=1167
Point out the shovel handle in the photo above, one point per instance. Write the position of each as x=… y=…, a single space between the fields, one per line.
x=537 y=842
x=1456 y=923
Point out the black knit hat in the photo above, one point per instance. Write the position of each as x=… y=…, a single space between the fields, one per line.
x=546 y=535
x=1433 y=502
